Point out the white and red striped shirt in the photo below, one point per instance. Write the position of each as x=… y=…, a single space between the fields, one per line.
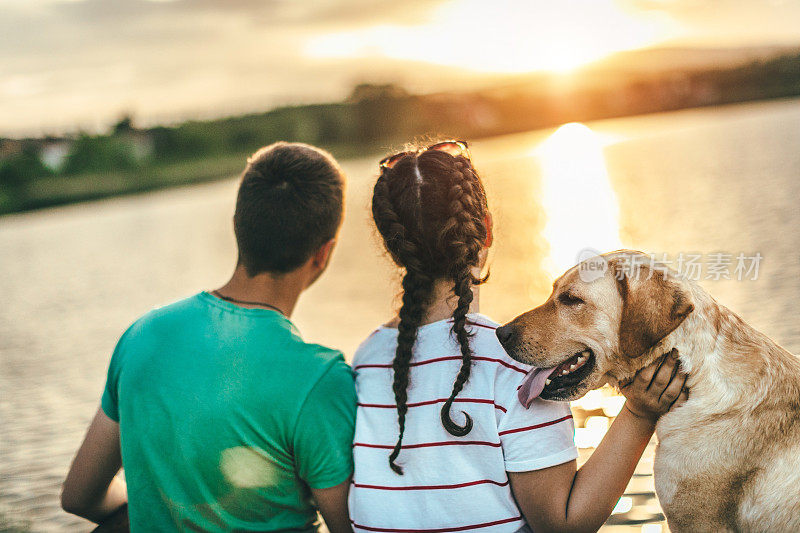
x=449 y=483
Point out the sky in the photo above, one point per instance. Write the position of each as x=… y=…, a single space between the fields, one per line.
x=67 y=65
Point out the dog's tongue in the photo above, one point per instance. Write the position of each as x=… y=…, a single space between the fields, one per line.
x=533 y=384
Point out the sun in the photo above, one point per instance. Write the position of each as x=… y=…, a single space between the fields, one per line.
x=504 y=36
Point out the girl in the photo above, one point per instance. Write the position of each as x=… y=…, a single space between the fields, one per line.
x=442 y=443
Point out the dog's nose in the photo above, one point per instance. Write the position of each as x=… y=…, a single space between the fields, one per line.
x=504 y=334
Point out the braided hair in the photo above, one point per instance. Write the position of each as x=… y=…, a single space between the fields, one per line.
x=431 y=210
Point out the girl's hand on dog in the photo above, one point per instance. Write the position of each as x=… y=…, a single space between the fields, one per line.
x=655 y=389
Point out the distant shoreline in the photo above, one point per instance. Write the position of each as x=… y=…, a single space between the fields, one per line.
x=53 y=191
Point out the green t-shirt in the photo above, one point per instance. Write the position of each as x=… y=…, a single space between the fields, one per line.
x=227 y=418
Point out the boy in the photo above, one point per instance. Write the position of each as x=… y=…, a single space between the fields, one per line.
x=223 y=417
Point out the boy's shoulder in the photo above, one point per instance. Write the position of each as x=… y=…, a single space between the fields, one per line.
x=322 y=360
x=314 y=363
x=167 y=319
x=158 y=318
x=167 y=313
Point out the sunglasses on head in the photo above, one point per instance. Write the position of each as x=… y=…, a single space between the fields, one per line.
x=454 y=148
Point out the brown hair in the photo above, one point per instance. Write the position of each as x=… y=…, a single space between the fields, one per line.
x=290 y=203
x=431 y=210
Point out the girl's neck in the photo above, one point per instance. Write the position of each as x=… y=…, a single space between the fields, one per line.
x=443 y=303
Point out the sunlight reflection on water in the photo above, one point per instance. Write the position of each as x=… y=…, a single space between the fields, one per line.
x=581 y=212
x=579 y=203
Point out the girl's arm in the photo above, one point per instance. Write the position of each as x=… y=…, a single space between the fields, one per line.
x=564 y=498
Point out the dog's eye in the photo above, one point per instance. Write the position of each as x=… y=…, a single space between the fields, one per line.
x=569 y=299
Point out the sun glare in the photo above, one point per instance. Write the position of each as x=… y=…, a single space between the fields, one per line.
x=504 y=36
x=577 y=197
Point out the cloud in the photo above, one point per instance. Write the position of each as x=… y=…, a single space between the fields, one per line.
x=731 y=22
x=80 y=63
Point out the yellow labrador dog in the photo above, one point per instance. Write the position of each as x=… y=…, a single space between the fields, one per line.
x=729 y=458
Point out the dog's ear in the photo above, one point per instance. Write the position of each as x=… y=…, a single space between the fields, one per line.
x=653 y=306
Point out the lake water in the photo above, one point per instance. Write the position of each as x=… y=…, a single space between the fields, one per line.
x=691 y=184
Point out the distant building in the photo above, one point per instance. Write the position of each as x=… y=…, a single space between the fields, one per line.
x=53 y=153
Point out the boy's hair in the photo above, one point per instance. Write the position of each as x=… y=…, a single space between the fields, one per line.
x=290 y=203
x=431 y=210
